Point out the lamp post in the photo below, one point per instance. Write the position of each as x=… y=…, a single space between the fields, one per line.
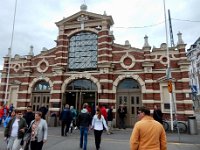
x=168 y=73
x=10 y=55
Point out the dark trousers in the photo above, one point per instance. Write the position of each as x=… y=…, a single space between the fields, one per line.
x=65 y=126
x=121 y=123
x=97 y=137
x=36 y=145
x=26 y=147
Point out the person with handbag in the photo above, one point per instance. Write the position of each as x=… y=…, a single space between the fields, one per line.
x=39 y=131
x=14 y=131
x=98 y=123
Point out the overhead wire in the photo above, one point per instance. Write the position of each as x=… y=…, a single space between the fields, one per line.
x=153 y=25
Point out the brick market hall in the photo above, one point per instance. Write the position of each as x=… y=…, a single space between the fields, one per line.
x=87 y=66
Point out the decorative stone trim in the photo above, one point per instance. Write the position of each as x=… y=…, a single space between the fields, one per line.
x=39 y=65
x=107 y=101
x=127 y=56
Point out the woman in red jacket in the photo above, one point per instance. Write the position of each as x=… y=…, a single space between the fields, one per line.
x=1 y=114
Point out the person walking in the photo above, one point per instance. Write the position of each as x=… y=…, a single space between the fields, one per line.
x=65 y=118
x=39 y=132
x=29 y=117
x=157 y=114
x=84 y=121
x=98 y=123
x=110 y=119
x=74 y=115
x=147 y=133
x=44 y=111
x=10 y=116
x=14 y=131
x=122 y=111
x=1 y=114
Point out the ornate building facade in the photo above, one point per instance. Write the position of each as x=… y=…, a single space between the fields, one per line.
x=87 y=66
x=193 y=54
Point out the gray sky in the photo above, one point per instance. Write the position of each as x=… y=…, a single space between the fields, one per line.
x=35 y=21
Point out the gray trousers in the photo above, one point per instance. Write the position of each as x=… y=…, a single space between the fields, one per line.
x=13 y=143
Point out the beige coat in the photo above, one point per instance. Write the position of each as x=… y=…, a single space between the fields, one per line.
x=148 y=134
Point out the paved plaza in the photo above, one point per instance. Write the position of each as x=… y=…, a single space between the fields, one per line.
x=117 y=141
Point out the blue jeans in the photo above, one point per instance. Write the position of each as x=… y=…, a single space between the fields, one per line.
x=83 y=140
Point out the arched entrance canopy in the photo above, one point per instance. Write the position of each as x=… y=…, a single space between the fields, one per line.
x=82 y=84
x=128 y=84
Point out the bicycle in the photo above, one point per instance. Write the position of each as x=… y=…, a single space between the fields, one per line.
x=177 y=125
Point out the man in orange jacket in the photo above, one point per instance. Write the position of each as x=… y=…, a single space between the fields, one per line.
x=147 y=134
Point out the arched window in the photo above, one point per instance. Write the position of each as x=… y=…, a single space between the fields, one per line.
x=128 y=84
x=42 y=86
x=82 y=84
x=83 y=51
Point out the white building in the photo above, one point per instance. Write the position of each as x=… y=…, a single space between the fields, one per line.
x=193 y=55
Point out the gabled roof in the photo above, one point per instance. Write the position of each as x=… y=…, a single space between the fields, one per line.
x=90 y=15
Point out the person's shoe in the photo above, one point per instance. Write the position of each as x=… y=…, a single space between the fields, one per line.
x=65 y=134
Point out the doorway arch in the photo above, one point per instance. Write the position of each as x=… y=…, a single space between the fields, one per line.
x=129 y=95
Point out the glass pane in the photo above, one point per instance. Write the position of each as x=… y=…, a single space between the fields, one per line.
x=82 y=84
x=132 y=99
x=34 y=99
x=128 y=84
x=82 y=50
x=38 y=100
x=48 y=99
x=125 y=100
x=133 y=110
x=120 y=100
x=44 y=100
x=41 y=86
x=138 y=100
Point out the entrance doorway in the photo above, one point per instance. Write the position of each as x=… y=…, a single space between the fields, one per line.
x=78 y=98
x=79 y=92
x=40 y=95
x=129 y=95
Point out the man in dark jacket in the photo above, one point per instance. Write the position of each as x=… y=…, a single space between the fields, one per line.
x=157 y=114
x=28 y=116
x=84 y=120
x=44 y=111
x=66 y=119
x=122 y=111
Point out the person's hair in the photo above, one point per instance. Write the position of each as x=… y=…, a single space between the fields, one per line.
x=98 y=113
x=18 y=111
x=85 y=105
x=145 y=110
x=38 y=113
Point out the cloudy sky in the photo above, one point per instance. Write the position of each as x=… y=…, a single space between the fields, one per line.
x=133 y=19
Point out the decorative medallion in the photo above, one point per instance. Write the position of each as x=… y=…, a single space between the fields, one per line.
x=17 y=67
x=163 y=60
x=42 y=65
x=127 y=61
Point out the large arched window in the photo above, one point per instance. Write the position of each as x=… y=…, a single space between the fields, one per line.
x=42 y=86
x=83 y=51
x=82 y=84
x=128 y=84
